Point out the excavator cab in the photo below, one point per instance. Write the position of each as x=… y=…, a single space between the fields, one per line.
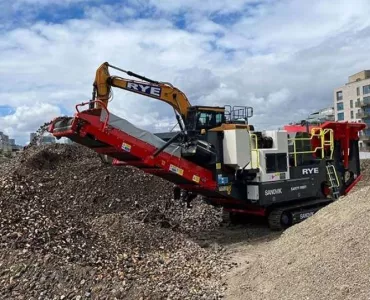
x=208 y=117
x=204 y=117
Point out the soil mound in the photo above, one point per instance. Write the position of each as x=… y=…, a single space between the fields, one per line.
x=325 y=257
x=73 y=227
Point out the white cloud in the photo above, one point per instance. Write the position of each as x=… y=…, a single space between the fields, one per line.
x=28 y=119
x=288 y=24
x=277 y=55
x=207 y=6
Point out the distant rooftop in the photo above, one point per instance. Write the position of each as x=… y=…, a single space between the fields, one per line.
x=365 y=74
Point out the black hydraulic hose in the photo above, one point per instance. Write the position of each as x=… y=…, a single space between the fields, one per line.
x=135 y=75
x=179 y=122
x=142 y=77
x=171 y=140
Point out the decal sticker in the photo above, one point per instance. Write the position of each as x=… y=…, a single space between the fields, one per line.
x=126 y=147
x=222 y=180
x=218 y=166
x=176 y=170
x=145 y=88
x=275 y=176
x=310 y=171
x=196 y=178
x=306 y=215
x=273 y=192
x=297 y=188
x=225 y=188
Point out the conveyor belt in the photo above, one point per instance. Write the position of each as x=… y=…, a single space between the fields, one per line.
x=110 y=135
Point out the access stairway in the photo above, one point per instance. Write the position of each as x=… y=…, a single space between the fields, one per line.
x=110 y=135
x=333 y=180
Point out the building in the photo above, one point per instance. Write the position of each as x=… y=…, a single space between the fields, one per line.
x=352 y=103
x=5 y=145
x=44 y=139
x=48 y=139
x=321 y=116
x=32 y=136
x=313 y=120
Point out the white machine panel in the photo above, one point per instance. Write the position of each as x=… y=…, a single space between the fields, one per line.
x=280 y=145
x=237 y=148
x=253 y=192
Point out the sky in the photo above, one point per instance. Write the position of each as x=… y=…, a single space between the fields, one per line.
x=282 y=57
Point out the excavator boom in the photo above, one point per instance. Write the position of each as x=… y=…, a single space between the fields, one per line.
x=150 y=88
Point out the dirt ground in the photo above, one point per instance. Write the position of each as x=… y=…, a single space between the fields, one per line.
x=75 y=228
x=324 y=257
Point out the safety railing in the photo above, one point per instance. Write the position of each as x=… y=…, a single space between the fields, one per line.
x=104 y=106
x=254 y=149
x=321 y=134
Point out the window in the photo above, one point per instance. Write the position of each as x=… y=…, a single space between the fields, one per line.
x=276 y=162
x=340 y=106
x=366 y=89
x=339 y=96
x=340 y=116
x=209 y=119
x=358 y=103
x=367 y=100
x=358 y=91
x=351 y=103
x=352 y=114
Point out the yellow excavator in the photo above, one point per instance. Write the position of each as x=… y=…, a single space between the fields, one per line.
x=190 y=118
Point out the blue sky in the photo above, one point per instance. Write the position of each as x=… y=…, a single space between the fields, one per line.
x=283 y=57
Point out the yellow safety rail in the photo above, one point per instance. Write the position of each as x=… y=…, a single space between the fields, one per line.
x=255 y=150
x=321 y=134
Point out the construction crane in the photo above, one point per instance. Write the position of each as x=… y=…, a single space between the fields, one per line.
x=284 y=177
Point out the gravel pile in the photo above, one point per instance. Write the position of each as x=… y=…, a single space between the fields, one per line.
x=365 y=171
x=325 y=257
x=73 y=227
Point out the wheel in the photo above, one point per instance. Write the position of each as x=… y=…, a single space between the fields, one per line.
x=229 y=218
x=278 y=219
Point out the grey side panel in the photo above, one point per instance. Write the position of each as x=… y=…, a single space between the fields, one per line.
x=138 y=133
x=285 y=191
x=166 y=135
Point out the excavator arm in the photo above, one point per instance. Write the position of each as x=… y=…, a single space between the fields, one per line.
x=159 y=90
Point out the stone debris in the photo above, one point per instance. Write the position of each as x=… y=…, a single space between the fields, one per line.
x=325 y=257
x=73 y=227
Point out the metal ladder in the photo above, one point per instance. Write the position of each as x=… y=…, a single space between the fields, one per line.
x=333 y=180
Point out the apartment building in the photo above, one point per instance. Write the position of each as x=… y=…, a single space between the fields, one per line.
x=352 y=103
x=321 y=116
x=5 y=143
x=44 y=139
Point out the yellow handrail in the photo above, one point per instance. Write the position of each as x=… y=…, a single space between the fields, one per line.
x=321 y=134
x=255 y=149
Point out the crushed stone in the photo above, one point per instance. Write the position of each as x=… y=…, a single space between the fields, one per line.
x=74 y=227
x=325 y=257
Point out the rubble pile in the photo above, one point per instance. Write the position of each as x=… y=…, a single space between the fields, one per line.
x=73 y=227
x=324 y=257
x=365 y=171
